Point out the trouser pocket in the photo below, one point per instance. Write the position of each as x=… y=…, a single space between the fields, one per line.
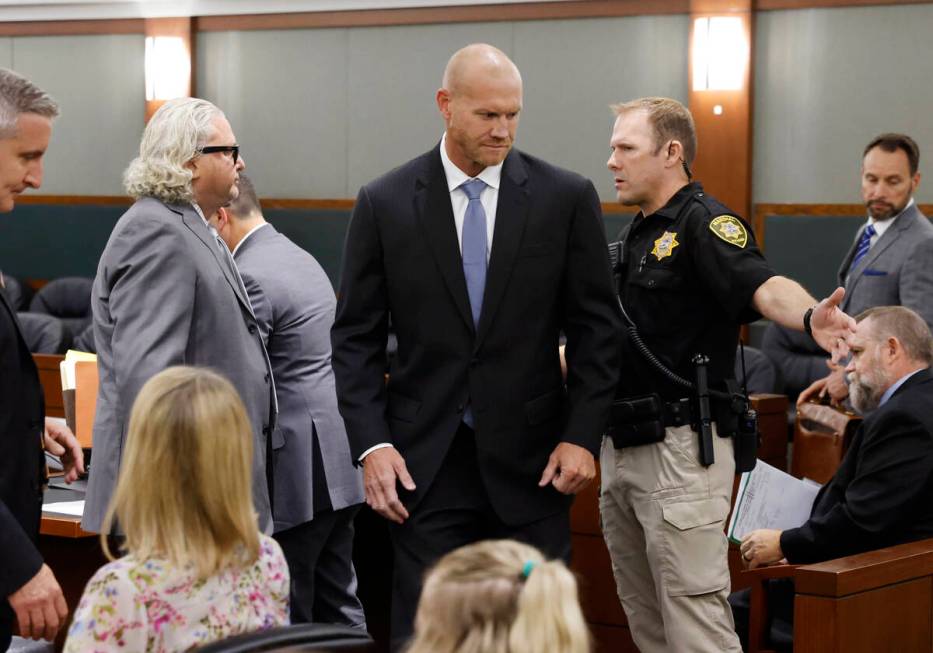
x=694 y=560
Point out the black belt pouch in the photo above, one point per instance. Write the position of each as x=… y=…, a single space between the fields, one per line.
x=636 y=421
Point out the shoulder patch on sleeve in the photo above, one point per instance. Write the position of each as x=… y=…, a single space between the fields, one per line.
x=730 y=229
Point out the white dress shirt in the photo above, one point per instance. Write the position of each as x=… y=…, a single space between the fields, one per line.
x=492 y=176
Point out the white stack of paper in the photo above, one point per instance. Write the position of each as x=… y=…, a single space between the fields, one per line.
x=770 y=498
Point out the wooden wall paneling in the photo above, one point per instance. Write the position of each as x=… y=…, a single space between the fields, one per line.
x=72 y=27
x=761 y=211
x=181 y=27
x=770 y=5
x=452 y=14
x=724 y=118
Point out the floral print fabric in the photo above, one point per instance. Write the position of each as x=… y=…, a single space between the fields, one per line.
x=145 y=605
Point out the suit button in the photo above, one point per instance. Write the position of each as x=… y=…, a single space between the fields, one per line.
x=251 y=328
x=267 y=377
x=266 y=430
x=460 y=408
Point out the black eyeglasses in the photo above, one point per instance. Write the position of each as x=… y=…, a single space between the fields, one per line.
x=210 y=149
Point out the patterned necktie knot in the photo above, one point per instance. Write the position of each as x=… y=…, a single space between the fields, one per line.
x=473 y=188
x=864 y=244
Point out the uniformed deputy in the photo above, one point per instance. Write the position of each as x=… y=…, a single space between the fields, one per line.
x=690 y=274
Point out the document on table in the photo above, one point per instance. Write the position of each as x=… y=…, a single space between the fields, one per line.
x=770 y=498
x=73 y=508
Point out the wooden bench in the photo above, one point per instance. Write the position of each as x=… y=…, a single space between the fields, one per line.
x=876 y=601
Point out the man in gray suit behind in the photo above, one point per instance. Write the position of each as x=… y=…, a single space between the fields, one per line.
x=167 y=291
x=890 y=263
x=318 y=491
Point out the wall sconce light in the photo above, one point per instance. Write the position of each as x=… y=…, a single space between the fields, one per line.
x=168 y=68
x=720 y=53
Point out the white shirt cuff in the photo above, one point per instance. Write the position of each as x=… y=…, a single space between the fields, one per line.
x=381 y=445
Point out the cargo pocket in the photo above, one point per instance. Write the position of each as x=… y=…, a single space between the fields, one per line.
x=694 y=557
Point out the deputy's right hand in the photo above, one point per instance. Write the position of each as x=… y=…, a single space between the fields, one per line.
x=381 y=469
x=39 y=606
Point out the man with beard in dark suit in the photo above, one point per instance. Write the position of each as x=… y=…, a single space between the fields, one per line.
x=882 y=493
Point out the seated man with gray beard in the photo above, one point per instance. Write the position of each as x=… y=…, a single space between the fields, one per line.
x=882 y=493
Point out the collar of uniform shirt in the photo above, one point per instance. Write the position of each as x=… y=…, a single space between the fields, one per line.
x=882 y=225
x=492 y=175
x=673 y=206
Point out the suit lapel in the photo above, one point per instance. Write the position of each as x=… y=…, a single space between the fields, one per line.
x=511 y=215
x=888 y=238
x=432 y=206
x=194 y=222
x=847 y=261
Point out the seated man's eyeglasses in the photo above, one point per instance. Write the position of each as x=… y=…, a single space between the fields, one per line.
x=209 y=149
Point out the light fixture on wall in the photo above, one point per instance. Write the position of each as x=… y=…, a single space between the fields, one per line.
x=168 y=68
x=720 y=53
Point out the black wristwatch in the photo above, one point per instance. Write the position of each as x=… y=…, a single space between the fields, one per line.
x=806 y=321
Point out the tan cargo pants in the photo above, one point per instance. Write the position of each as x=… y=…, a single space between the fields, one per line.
x=662 y=518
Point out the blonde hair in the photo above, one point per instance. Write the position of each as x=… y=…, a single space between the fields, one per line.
x=171 y=140
x=183 y=494
x=669 y=119
x=499 y=596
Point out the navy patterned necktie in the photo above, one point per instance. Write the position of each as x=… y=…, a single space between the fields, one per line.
x=864 y=244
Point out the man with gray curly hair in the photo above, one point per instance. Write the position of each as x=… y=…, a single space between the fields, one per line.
x=167 y=291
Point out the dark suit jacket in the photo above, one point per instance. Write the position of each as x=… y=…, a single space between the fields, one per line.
x=21 y=464
x=548 y=271
x=882 y=493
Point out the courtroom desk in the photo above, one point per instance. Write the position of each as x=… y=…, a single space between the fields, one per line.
x=51 y=379
x=72 y=553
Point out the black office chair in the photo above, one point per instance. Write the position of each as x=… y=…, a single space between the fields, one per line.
x=299 y=638
x=44 y=334
x=67 y=298
x=762 y=373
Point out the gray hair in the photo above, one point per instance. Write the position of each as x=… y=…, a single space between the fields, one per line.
x=171 y=140
x=904 y=324
x=17 y=96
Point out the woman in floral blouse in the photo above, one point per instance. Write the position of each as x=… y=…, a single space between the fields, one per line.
x=196 y=569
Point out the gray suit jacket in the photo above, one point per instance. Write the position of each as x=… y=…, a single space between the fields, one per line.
x=166 y=294
x=898 y=269
x=294 y=304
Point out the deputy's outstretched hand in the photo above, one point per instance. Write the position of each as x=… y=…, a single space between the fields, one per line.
x=831 y=326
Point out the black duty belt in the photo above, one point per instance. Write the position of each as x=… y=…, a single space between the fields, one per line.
x=635 y=421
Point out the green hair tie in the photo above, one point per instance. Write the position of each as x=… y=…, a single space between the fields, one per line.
x=526 y=569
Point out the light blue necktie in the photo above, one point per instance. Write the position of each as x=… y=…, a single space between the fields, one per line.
x=473 y=252
x=473 y=247
x=864 y=244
